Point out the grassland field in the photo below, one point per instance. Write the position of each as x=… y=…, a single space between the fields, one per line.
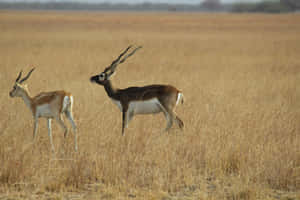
x=240 y=75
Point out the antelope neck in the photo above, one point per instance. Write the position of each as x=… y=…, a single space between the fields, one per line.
x=27 y=99
x=110 y=90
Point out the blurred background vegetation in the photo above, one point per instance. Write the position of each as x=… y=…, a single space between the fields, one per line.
x=268 y=6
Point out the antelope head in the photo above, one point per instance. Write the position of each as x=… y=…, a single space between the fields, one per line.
x=19 y=88
x=103 y=77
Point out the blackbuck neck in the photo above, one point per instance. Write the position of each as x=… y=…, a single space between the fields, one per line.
x=27 y=99
x=110 y=90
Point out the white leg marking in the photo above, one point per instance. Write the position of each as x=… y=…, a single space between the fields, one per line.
x=179 y=97
x=50 y=133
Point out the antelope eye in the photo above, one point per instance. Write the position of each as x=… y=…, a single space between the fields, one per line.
x=101 y=77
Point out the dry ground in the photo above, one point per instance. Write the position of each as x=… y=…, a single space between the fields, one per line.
x=240 y=75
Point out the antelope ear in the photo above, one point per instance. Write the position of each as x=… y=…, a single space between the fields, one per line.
x=111 y=75
x=25 y=86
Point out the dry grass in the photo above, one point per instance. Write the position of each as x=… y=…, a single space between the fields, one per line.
x=240 y=75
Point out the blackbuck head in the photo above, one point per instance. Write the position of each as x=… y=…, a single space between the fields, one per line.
x=19 y=88
x=103 y=77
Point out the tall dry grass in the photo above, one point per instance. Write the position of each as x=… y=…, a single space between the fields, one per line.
x=240 y=77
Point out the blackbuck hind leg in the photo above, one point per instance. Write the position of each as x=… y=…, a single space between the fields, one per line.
x=179 y=122
x=70 y=118
x=50 y=133
x=168 y=115
x=61 y=123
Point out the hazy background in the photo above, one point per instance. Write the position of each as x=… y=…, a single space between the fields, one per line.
x=134 y=1
x=268 y=6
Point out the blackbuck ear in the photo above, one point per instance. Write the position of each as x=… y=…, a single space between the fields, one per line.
x=110 y=74
x=25 y=86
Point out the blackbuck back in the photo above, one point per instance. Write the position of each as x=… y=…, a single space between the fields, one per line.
x=149 y=99
x=47 y=105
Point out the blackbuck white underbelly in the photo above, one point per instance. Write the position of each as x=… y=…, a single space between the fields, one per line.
x=44 y=110
x=145 y=107
x=51 y=109
x=142 y=107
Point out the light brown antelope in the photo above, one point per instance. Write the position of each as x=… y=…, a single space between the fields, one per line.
x=140 y=100
x=47 y=105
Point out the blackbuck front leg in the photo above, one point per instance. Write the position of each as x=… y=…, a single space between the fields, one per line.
x=127 y=115
x=125 y=112
x=124 y=119
x=50 y=133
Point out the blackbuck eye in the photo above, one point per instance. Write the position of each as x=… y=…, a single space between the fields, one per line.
x=101 y=77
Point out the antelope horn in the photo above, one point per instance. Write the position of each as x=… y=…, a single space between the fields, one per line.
x=115 y=63
x=19 y=76
x=27 y=76
x=128 y=55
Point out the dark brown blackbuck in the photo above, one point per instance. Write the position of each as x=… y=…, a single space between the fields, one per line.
x=149 y=99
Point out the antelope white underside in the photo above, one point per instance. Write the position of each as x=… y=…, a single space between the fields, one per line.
x=44 y=110
x=142 y=107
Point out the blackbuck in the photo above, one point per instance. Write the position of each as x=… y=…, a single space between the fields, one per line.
x=140 y=100
x=47 y=105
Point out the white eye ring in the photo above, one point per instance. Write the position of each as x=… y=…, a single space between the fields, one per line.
x=101 y=77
